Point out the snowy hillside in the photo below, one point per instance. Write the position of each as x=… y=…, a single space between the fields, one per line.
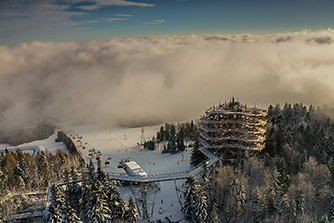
x=32 y=147
x=114 y=144
x=121 y=143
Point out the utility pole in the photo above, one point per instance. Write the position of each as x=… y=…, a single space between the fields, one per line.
x=142 y=141
x=144 y=202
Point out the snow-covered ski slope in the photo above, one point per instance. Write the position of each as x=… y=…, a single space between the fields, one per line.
x=115 y=144
x=33 y=147
x=159 y=177
x=135 y=154
x=121 y=143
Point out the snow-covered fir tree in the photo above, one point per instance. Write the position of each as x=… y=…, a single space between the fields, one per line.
x=314 y=220
x=57 y=208
x=116 y=203
x=171 y=146
x=60 y=166
x=97 y=210
x=237 y=199
x=73 y=192
x=214 y=214
x=3 y=179
x=118 y=207
x=189 y=198
x=259 y=208
x=1 y=211
x=195 y=204
x=281 y=203
x=26 y=163
x=91 y=171
x=71 y=216
x=84 y=198
x=324 y=219
x=270 y=199
x=331 y=208
x=101 y=176
x=300 y=202
x=131 y=215
x=58 y=199
x=43 y=168
x=196 y=156
x=55 y=215
x=180 y=141
x=161 y=135
x=256 y=196
x=293 y=209
x=20 y=184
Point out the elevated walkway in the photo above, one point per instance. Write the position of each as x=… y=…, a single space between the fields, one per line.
x=160 y=177
x=232 y=146
x=212 y=159
x=237 y=130
x=239 y=122
x=247 y=113
x=167 y=176
x=232 y=138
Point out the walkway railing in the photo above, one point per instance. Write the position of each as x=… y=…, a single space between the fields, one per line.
x=159 y=177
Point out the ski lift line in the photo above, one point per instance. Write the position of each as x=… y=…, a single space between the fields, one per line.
x=165 y=176
x=98 y=151
x=151 y=177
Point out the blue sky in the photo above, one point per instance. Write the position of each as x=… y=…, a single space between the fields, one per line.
x=63 y=20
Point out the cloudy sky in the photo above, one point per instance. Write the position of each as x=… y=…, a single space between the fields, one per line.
x=150 y=61
x=59 y=20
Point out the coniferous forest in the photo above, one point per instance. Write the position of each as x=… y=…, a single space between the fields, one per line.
x=95 y=198
x=21 y=172
x=290 y=180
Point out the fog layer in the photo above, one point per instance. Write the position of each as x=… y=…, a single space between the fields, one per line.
x=163 y=78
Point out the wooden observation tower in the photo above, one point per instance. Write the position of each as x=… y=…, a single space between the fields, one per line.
x=233 y=131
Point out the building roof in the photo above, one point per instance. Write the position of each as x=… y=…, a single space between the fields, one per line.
x=133 y=169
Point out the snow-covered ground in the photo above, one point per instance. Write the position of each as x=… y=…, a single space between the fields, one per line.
x=118 y=144
x=121 y=143
x=33 y=147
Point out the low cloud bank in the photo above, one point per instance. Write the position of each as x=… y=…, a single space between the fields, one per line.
x=163 y=78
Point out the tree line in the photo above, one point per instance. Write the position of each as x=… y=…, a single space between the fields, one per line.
x=17 y=136
x=22 y=172
x=94 y=199
x=175 y=136
x=289 y=181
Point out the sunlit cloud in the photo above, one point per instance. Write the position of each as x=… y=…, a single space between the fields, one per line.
x=115 y=19
x=155 y=22
x=163 y=78
x=97 y=4
x=81 y=23
x=123 y=15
